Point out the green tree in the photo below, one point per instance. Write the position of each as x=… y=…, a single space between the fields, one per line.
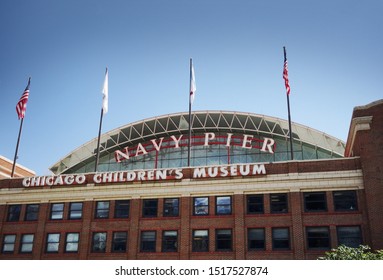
x=363 y=252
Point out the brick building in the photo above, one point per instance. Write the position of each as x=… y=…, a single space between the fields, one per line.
x=240 y=198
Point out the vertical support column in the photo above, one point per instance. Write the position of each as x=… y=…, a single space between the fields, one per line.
x=39 y=246
x=134 y=231
x=297 y=231
x=85 y=234
x=185 y=231
x=239 y=227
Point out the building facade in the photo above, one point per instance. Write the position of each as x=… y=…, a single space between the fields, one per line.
x=240 y=198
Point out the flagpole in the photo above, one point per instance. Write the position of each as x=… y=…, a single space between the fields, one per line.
x=190 y=119
x=288 y=109
x=17 y=148
x=98 y=141
x=104 y=110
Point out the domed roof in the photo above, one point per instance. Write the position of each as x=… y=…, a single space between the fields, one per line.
x=202 y=122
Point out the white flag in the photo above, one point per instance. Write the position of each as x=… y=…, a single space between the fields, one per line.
x=105 y=94
x=193 y=87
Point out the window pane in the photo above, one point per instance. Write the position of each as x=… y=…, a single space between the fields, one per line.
x=200 y=240
x=170 y=241
x=256 y=239
x=27 y=243
x=223 y=239
x=349 y=236
x=223 y=205
x=255 y=204
x=72 y=240
x=201 y=206
x=318 y=238
x=345 y=201
x=57 y=211
x=122 y=209
x=148 y=241
x=13 y=213
x=9 y=243
x=75 y=211
x=32 y=212
x=119 y=241
x=171 y=207
x=102 y=210
x=278 y=203
x=315 y=201
x=150 y=207
x=99 y=242
x=281 y=239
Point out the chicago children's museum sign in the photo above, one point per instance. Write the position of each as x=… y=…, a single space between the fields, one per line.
x=221 y=171
x=209 y=138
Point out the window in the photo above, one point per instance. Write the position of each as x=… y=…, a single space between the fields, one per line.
x=223 y=240
x=149 y=207
x=102 y=210
x=171 y=207
x=315 y=202
x=75 y=211
x=119 y=241
x=57 y=211
x=99 y=242
x=318 y=238
x=255 y=204
x=148 y=241
x=71 y=242
x=9 y=243
x=200 y=240
x=121 y=209
x=170 y=241
x=281 y=238
x=32 y=212
x=53 y=241
x=201 y=206
x=345 y=201
x=278 y=203
x=349 y=236
x=223 y=205
x=27 y=243
x=256 y=239
x=14 y=213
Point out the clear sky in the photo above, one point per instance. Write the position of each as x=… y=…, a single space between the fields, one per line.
x=334 y=49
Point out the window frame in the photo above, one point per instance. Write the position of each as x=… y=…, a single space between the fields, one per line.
x=351 y=199
x=170 y=209
x=102 y=211
x=224 y=205
x=284 y=205
x=72 y=211
x=205 y=206
x=255 y=240
x=150 y=211
x=32 y=212
x=77 y=242
x=56 y=243
x=169 y=243
x=311 y=239
x=56 y=212
x=6 y=243
x=228 y=238
x=316 y=201
x=14 y=209
x=255 y=204
x=360 y=237
x=200 y=243
x=120 y=241
x=122 y=209
x=145 y=241
x=26 y=244
x=99 y=246
x=275 y=240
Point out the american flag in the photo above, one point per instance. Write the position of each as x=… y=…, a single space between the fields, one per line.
x=21 y=106
x=286 y=74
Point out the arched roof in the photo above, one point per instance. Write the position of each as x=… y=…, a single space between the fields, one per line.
x=202 y=121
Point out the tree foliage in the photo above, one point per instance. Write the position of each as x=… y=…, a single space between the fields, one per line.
x=363 y=252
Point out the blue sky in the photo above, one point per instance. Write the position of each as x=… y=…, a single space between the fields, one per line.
x=334 y=48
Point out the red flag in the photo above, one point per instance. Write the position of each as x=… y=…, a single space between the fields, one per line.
x=286 y=74
x=21 y=106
